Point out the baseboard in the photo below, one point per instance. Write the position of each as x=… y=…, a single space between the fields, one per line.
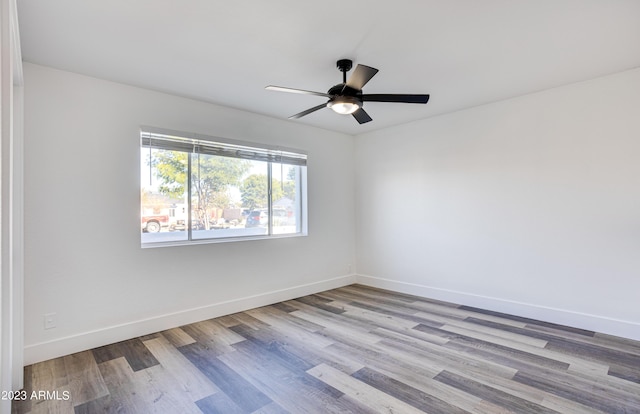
x=87 y=340
x=602 y=324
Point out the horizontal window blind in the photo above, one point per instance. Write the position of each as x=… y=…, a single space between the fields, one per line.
x=223 y=149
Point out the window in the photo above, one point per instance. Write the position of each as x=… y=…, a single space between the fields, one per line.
x=206 y=189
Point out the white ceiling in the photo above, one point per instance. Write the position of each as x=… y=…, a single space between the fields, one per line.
x=462 y=52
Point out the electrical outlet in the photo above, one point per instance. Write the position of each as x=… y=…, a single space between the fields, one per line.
x=50 y=320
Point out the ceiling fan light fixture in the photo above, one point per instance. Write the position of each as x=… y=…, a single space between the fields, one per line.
x=345 y=105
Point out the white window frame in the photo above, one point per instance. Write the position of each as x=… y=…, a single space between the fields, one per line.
x=156 y=138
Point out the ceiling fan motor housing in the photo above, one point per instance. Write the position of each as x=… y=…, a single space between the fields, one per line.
x=343 y=90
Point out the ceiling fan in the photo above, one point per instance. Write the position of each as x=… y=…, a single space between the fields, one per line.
x=347 y=98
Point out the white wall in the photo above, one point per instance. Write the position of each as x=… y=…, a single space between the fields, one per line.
x=82 y=242
x=529 y=206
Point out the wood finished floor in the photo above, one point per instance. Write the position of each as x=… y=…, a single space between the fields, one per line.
x=350 y=350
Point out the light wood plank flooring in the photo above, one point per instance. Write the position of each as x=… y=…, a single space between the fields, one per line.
x=350 y=350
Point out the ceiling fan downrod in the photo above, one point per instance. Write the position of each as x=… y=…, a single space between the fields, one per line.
x=345 y=66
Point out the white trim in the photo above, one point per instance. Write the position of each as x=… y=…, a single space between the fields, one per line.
x=92 y=339
x=597 y=323
x=17 y=237
x=11 y=262
x=16 y=51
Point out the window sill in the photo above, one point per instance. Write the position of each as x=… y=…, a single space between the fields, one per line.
x=219 y=240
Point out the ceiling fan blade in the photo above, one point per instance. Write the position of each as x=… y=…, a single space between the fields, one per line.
x=308 y=111
x=292 y=90
x=361 y=76
x=361 y=116
x=391 y=97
